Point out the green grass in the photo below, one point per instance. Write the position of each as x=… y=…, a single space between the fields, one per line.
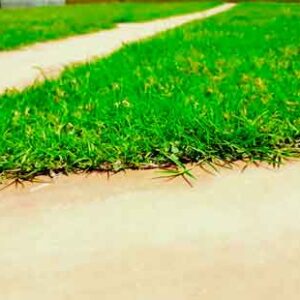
x=21 y=27
x=223 y=89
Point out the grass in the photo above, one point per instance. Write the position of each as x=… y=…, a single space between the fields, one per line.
x=21 y=27
x=223 y=89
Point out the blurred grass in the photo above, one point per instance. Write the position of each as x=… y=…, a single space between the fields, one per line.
x=21 y=27
x=223 y=89
x=165 y=1
x=169 y=1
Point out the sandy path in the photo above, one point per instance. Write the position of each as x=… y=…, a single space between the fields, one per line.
x=21 y=68
x=232 y=236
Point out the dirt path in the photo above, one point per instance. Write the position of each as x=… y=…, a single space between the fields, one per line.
x=231 y=236
x=21 y=68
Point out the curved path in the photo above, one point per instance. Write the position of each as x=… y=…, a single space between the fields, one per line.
x=235 y=236
x=22 y=68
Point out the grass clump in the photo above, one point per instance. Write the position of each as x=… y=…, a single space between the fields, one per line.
x=223 y=89
x=21 y=27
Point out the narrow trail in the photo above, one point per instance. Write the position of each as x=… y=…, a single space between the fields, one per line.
x=235 y=236
x=21 y=68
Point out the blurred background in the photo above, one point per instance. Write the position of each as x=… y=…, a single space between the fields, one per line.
x=28 y=3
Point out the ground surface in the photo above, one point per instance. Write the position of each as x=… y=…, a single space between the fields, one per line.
x=234 y=236
x=21 y=27
x=231 y=236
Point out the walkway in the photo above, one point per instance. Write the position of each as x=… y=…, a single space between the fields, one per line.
x=235 y=236
x=21 y=68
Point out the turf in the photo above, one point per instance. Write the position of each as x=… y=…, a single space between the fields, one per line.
x=21 y=27
x=223 y=89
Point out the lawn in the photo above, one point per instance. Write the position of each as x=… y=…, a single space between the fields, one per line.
x=226 y=88
x=21 y=27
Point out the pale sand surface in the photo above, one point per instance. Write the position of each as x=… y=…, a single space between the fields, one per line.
x=21 y=68
x=232 y=236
